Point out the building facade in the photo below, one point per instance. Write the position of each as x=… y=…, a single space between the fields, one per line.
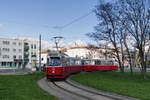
x=11 y=53
x=18 y=53
x=31 y=53
x=88 y=52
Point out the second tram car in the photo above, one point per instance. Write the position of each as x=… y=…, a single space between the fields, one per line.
x=99 y=65
x=59 y=65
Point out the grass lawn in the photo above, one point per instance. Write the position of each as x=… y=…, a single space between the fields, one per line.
x=23 y=87
x=134 y=86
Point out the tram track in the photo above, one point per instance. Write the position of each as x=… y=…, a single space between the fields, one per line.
x=79 y=92
x=86 y=98
x=93 y=92
x=71 y=90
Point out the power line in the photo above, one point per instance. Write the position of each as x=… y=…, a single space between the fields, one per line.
x=73 y=21
x=47 y=26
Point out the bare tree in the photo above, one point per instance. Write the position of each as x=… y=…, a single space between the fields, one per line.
x=91 y=51
x=108 y=29
x=137 y=24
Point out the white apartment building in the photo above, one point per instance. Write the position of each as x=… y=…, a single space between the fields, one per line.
x=11 y=53
x=19 y=53
x=31 y=58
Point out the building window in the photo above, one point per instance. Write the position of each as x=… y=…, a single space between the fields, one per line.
x=14 y=57
x=6 y=49
x=20 y=43
x=6 y=42
x=20 y=50
x=5 y=56
x=14 y=50
x=14 y=43
x=20 y=57
x=3 y=63
x=34 y=46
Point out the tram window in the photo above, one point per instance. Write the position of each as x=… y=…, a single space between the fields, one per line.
x=103 y=63
x=63 y=62
x=74 y=62
x=92 y=63
x=68 y=63
x=77 y=62
x=48 y=62
x=82 y=62
x=110 y=62
x=107 y=63
x=87 y=62
x=71 y=62
x=97 y=62
x=55 y=61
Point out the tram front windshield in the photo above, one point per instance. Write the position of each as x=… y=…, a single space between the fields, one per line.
x=54 y=61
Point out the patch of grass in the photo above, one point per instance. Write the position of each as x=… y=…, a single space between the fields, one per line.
x=23 y=87
x=133 y=86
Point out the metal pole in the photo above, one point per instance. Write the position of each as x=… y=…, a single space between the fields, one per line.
x=40 y=52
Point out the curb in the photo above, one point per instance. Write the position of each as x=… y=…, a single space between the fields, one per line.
x=17 y=73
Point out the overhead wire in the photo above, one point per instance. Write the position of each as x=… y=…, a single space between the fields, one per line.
x=77 y=19
x=47 y=26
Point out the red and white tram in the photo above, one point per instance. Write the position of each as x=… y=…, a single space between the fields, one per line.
x=59 y=65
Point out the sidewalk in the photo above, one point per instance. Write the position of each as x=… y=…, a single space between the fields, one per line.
x=14 y=71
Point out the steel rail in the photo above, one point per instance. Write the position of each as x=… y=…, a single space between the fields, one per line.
x=92 y=91
x=71 y=92
x=84 y=90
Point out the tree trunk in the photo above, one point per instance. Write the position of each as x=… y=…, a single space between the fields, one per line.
x=121 y=70
x=143 y=64
x=144 y=73
x=131 y=69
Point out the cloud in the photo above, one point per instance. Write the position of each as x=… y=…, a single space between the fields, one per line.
x=1 y=25
x=102 y=42
x=51 y=45
x=46 y=45
x=79 y=43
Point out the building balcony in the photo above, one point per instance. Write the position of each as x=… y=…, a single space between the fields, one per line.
x=26 y=60
x=26 y=54
x=26 y=47
x=17 y=60
x=33 y=56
